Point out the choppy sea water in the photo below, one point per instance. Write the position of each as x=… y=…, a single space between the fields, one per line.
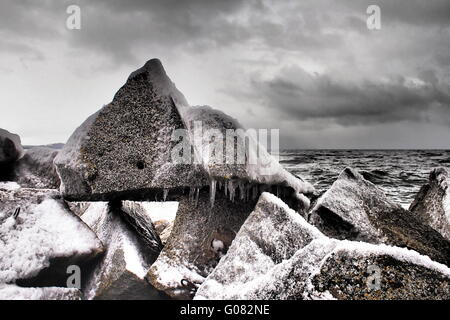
x=400 y=173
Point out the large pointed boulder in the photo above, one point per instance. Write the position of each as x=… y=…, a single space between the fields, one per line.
x=148 y=141
x=125 y=148
x=432 y=204
x=355 y=209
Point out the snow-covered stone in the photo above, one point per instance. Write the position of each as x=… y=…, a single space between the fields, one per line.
x=355 y=209
x=278 y=255
x=120 y=273
x=13 y=292
x=40 y=238
x=36 y=169
x=271 y=234
x=190 y=254
x=125 y=149
x=432 y=203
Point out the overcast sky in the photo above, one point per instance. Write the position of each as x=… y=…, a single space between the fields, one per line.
x=310 y=68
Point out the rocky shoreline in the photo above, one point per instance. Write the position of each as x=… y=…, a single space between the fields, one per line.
x=241 y=231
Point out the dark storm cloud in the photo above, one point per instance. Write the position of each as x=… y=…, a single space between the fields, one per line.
x=294 y=93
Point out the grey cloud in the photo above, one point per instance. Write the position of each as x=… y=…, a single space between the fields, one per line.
x=294 y=93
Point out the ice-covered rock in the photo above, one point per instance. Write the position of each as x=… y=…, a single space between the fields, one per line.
x=278 y=255
x=13 y=292
x=355 y=209
x=36 y=169
x=272 y=234
x=126 y=149
x=10 y=151
x=190 y=254
x=40 y=238
x=432 y=204
x=120 y=273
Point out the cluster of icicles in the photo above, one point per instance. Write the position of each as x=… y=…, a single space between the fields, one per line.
x=233 y=189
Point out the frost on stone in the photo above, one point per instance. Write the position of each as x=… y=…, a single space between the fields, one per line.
x=271 y=235
x=265 y=262
x=432 y=203
x=13 y=292
x=120 y=273
x=200 y=236
x=126 y=148
x=38 y=234
x=355 y=209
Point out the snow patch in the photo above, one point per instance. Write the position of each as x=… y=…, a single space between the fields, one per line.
x=44 y=232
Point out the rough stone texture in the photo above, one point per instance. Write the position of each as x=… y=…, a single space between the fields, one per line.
x=41 y=240
x=278 y=255
x=432 y=204
x=13 y=292
x=120 y=273
x=345 y=275
x=355 y=209
x=271 y=234
x=10 y=151
x=36 y=169
x=126 y=147
x=189 y=253
x=138 y=218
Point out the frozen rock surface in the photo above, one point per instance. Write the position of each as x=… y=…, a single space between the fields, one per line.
x=36 y=169
x=189 y=254
x=120 y=273
x=126 y=146
x=13 y=292
x=432 y=204
x=278 y=255
x=355 y=209
x=40 y=238
x=125 y=149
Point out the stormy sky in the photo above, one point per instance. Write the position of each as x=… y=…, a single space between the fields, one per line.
x=311 y=68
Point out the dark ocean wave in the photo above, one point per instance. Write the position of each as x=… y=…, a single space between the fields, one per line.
x=400 y=173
